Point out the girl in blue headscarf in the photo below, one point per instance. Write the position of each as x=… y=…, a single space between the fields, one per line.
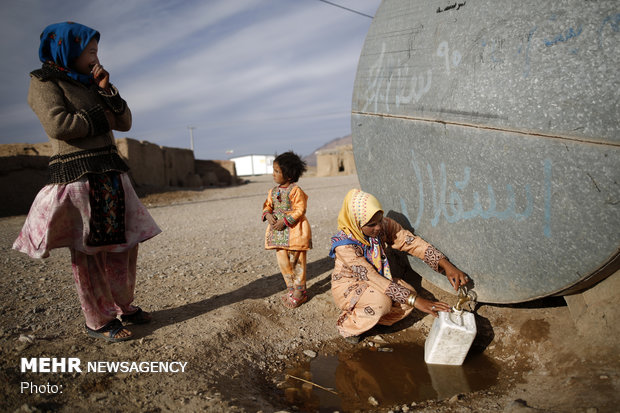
x=61 y=46
x=88 y=204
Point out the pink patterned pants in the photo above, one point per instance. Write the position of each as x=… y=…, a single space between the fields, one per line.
x=105 y=284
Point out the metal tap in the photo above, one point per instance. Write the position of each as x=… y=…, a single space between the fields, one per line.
x=463 y=297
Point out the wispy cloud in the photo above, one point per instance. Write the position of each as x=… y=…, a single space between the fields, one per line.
x=249 y=74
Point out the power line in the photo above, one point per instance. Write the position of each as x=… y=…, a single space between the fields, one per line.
x=348 y=9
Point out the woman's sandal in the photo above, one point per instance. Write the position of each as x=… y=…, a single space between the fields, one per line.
x=139 y=317
x=291 y=302
x=112 y=328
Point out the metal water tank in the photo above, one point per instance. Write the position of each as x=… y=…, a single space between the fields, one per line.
x=492 y=128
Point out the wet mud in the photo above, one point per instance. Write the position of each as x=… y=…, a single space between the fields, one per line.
x=387 y=374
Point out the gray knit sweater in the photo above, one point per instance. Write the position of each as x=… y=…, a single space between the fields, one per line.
x=73 y=117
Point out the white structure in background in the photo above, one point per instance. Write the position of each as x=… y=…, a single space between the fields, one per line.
x=253 y=164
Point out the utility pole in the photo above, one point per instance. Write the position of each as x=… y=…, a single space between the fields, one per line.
x=191 y=136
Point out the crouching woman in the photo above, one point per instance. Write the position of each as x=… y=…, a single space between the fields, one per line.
x=362 y=284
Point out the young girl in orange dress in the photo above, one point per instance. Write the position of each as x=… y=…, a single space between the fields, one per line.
x=289 y=231
x=362 y=283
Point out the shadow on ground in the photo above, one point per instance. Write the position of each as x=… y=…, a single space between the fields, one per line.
x=260 y=288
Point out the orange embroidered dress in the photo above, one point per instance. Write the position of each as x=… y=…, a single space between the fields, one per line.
x=290 y=205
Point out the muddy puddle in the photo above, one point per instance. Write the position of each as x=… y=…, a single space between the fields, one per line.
x=389 y=375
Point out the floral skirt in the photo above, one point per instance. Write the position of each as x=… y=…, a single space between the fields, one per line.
x=61 y=216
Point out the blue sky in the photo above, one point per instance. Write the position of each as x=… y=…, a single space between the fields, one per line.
x=252 y=76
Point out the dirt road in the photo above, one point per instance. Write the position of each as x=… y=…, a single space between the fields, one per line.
x=214 y=293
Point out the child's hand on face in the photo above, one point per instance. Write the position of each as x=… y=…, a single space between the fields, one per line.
x=102 y=77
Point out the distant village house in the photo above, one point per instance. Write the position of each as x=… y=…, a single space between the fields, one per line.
x=335 y=161
x=253 y=164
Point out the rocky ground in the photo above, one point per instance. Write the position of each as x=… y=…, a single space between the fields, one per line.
x=214 y=294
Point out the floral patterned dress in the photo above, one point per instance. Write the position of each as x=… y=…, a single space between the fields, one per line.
x=365 y=296
x=290 y=205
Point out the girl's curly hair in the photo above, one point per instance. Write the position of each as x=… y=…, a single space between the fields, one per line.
x=291 y=164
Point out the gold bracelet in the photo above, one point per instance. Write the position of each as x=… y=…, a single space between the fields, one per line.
x=411 y=299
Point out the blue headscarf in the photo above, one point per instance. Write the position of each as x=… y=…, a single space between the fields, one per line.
x=63 y=43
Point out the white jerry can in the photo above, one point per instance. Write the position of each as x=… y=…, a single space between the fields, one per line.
x=450 y=338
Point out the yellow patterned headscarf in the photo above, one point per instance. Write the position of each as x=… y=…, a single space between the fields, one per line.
x=357 y=209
